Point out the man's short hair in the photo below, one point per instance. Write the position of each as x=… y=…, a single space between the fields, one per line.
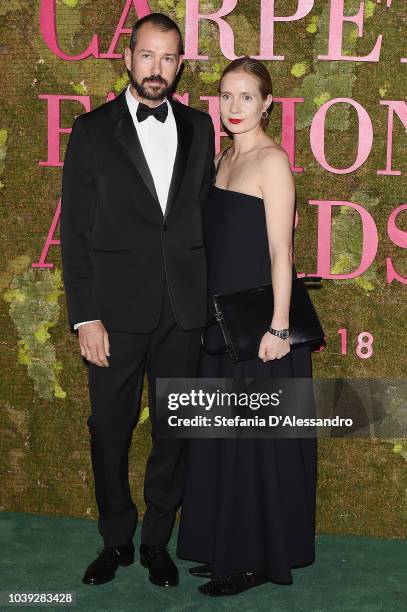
x=160 y=22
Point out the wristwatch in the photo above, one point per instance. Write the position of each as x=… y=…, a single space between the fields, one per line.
x=281 y=333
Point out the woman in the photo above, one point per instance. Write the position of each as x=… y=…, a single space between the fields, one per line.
x=248 y=510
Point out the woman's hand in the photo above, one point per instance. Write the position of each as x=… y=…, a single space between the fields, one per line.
x=273 y=347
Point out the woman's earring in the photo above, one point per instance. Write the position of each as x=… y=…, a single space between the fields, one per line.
x=264 y=116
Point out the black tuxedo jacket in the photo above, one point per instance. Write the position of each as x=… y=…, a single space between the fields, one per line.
x=118 y=249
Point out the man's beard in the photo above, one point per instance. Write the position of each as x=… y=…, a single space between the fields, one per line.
x=143 y=92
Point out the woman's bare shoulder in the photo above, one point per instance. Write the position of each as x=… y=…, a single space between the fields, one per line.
x=272 y=155
x=272 y=160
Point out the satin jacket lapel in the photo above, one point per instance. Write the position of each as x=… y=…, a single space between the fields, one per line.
x=185 y=131
x=127 y=135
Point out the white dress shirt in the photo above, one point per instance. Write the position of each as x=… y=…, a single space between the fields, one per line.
x=159 y=143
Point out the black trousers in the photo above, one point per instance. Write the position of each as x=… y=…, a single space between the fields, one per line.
x=115 y=394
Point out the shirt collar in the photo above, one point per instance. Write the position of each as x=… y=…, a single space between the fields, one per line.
x=132 y=103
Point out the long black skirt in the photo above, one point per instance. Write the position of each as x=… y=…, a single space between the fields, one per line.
x=249 y=503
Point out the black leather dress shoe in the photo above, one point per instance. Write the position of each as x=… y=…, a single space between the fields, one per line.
x=162 y=569
x=233 y=584
x=202 y=571
x=104 y=567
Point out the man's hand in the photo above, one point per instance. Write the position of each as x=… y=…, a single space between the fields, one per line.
x=94 y=343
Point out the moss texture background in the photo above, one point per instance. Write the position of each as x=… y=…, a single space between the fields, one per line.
x=45 y=467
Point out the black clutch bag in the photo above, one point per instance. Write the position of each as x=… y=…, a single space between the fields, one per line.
x=244 y=317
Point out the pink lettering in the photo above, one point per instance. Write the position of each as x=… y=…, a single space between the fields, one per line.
x=400 y=108
x=142 y=8
x=49 y=33
x=267 y=21
x=336 y=21
x=369 y=233
x=226 y=36
x=399 y=238
x=50 y=241
x=54 y=129
x=317 y=136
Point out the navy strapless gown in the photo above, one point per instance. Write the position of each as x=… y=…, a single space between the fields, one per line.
x=248 y=504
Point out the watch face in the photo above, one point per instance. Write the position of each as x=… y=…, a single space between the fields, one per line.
x=285 y=334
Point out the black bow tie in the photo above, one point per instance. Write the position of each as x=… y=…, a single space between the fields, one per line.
x=159 y=112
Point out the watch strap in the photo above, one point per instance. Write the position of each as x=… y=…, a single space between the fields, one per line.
x=281 y=333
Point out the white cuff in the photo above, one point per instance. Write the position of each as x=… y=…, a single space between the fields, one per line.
x=83 y=323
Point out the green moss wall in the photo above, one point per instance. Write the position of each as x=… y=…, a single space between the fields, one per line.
x=46 y=467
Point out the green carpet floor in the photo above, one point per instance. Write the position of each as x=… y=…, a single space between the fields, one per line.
x=351 y=573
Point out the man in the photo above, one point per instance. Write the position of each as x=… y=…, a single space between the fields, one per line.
x=136 y=173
